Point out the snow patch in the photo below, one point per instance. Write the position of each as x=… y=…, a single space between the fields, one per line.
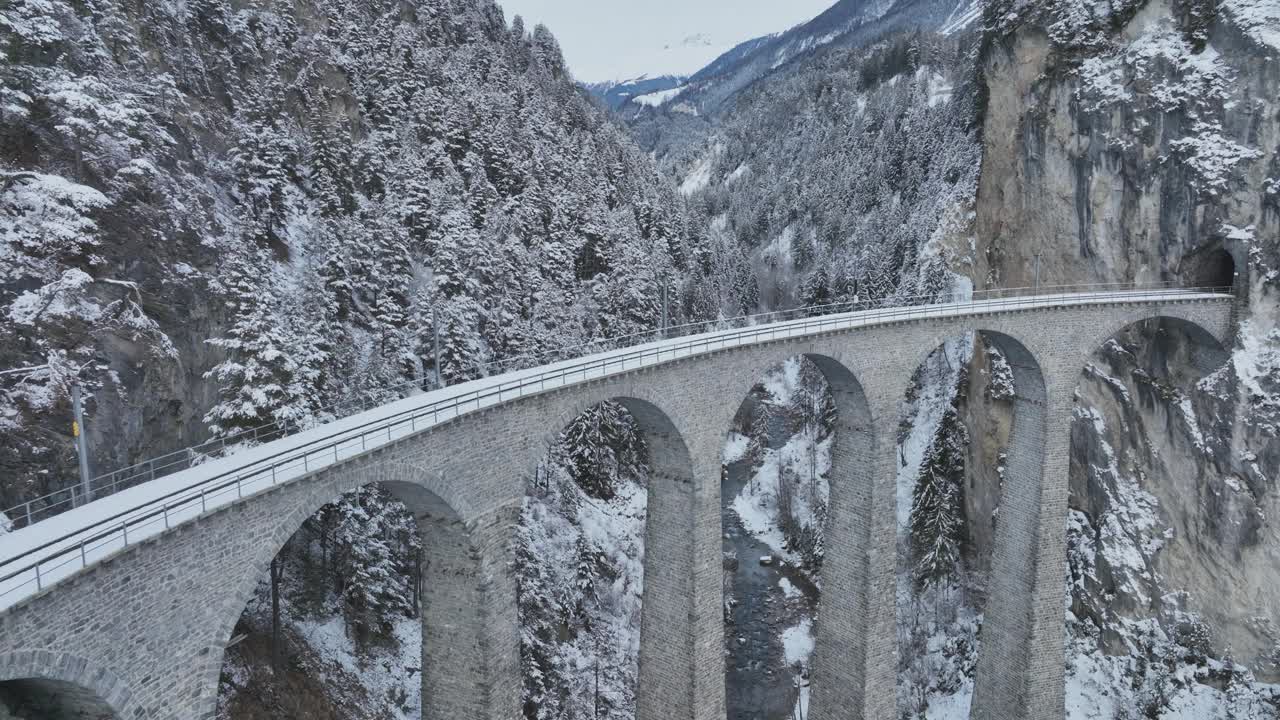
x=700 y=177
x=660 y=98
x=735 y=449
x=789 y=590
x=1259 y=19
x=797 y=642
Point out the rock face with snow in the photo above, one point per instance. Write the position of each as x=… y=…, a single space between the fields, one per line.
x=1142 y=142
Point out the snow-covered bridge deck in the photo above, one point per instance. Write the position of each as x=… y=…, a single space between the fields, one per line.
x=683 y=376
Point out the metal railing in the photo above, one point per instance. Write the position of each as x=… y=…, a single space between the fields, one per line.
x=328 y=449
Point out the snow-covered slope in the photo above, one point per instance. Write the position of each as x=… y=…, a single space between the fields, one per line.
x=615 y=94
x=851 y=23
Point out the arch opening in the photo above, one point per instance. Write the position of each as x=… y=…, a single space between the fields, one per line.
x=775 y=499
x=796 y=470
x=1170 y=553
x=580 y=562
x=345 y=611
x=49 y=699
x=970 y=440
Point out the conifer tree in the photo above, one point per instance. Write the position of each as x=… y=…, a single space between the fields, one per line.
x=273 y=371
x=937 y=510
x=374 y=540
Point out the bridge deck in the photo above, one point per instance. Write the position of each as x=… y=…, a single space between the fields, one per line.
x=48 y=551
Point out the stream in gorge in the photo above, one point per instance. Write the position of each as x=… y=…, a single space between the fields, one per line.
x=759 y=685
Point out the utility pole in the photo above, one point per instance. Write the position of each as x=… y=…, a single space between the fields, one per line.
x=1038 y=256
x=417 y=582
x=277 y=571
x=665 y=315
x=596 y=715
x=435 y=332
x=82 y=442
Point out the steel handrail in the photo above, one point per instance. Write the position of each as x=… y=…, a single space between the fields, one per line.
x=284 y=431
x=118 y=525
x=107 y=484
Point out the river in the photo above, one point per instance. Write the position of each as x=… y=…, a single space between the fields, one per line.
x=758 y=683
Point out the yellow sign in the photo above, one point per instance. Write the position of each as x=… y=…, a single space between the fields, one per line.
x=75 y=429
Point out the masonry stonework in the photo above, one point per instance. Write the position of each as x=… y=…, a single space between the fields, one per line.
x=144 y=630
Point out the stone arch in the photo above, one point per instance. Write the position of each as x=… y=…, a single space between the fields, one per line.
x=842 y=630
x=668 y=633
x=1006 y=631
x=1007 y=642
x=1205 y=351
x=67 y=683
x=1167 y=355
x=464 y=672
x=646 y=407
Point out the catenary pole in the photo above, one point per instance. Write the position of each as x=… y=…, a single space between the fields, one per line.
x=666 y=317
x=82 y=442
x=435 y=346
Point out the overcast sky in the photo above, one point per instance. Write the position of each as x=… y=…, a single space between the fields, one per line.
x=621 y=39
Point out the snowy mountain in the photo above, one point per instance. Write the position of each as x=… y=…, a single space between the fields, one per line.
x=849 y=23
x=163 y=238
x=618 y=93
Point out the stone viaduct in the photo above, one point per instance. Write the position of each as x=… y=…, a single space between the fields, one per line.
x=141 y=634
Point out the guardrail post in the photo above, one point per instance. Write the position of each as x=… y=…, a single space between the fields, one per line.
x=83 y=561
x=39 y=584
x=203 y=508
x=165 y=509
x=28 y=513
x=124 y=527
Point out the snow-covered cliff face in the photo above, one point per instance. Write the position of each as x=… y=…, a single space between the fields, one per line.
x=1139 y=141
x=1126 y=153
x=311 y=185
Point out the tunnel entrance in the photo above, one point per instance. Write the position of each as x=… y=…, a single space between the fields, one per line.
x=41 y=699
x=1211 y=269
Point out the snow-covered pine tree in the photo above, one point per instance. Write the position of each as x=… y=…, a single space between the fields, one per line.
x=375 y=541
x=602 y=444
x=462 y=350
x=262 y=161
x=275 y=360
x=937 y=509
